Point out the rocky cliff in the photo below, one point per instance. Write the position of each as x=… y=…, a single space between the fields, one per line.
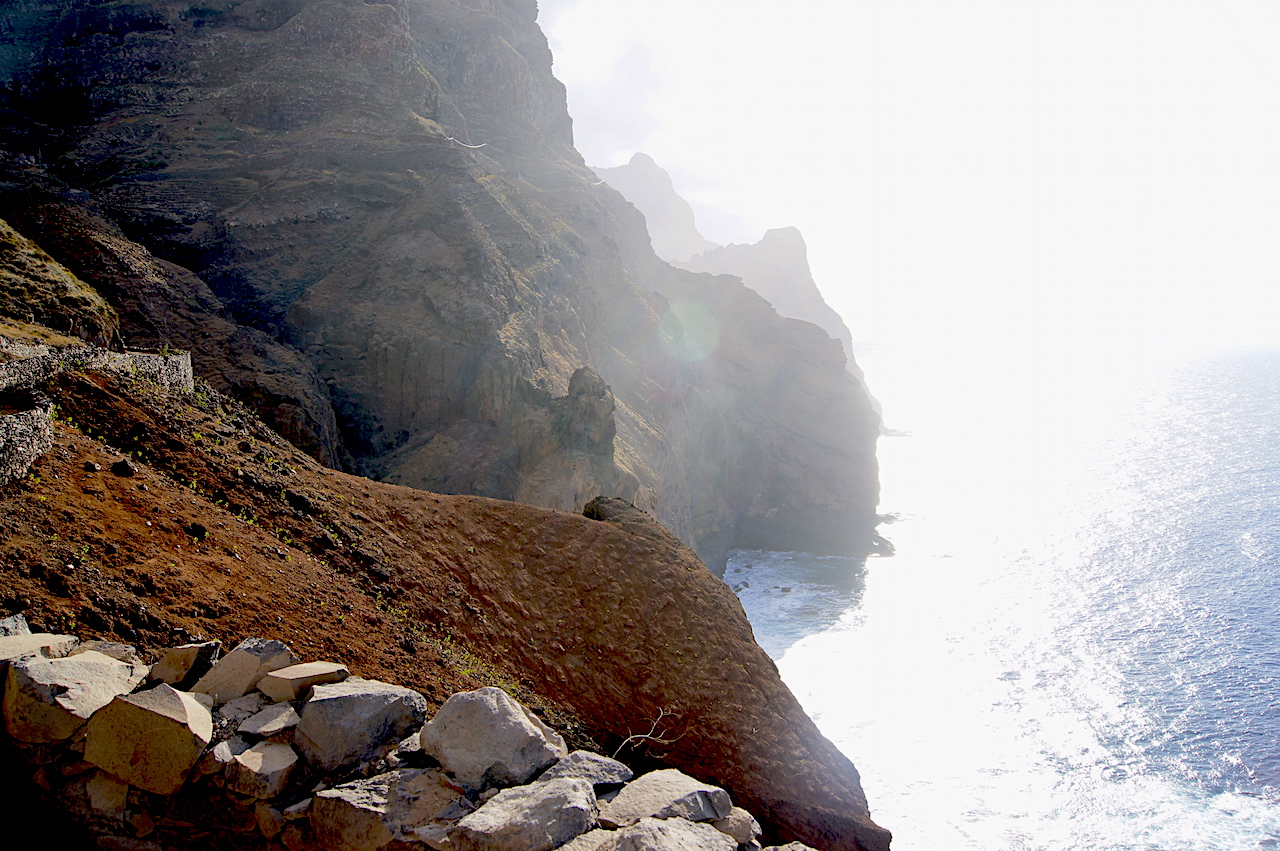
x=777 y=267
x=211 y=525
x=368 y=221
x=670 y=220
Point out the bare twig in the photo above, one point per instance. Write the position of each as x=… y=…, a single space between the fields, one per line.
x=653 y=737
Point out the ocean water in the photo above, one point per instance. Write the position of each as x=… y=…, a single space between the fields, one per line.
x=1077 y=643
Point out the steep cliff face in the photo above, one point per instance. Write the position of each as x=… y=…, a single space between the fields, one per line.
x=390 y=191
x=777 y=266
x=222 y=529
x=669 y=218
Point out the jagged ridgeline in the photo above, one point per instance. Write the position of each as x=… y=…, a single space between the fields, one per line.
x=368 y=221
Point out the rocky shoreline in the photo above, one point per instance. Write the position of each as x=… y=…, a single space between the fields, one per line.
x=293 y=755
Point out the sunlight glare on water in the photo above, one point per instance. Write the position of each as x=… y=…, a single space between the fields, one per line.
x=1073 y=646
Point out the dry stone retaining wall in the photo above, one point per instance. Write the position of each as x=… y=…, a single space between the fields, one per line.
x=26 y=431
x=144 y=764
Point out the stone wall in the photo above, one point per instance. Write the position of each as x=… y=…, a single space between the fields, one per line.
x=26 y=433
x=26 y=427
x=255 y=750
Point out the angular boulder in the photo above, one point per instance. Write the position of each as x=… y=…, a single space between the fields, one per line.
x=237 y=673
x=150 y=740
x=671 y=834
x=589 y=841
x=14 y=625
x=107 y=794
x=346 y=722
x=48 y=700
x=369 y=814
x=537 y=817
x=739 y=825
x=182 y=666
x=276 y=718
x=44 y=644
x=486 y=738
x=596 y=769
x=122 y=652
x=261 y=771
x=290 y=683
x=666 y=794
x=235 y=712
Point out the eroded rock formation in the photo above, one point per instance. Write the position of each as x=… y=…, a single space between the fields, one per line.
x=368 y=221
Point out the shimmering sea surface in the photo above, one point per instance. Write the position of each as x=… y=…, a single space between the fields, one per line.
x=1077 y=643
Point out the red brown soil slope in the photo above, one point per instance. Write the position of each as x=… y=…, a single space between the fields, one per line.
x=226 y=531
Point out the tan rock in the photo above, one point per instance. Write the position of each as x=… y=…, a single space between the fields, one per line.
x=36 y=644
x=740 y=825
x=150 y=740
x=262 y=771
x=290 y=683
x=237 y=673
x=48 y=700
x=108 y=794
x=276 y=718
x=122 y=652
x=671 y=834
x=270 y=819
x=589 y=841
x=178 y=664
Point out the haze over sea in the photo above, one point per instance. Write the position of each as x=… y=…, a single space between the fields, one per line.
x=1077 y=643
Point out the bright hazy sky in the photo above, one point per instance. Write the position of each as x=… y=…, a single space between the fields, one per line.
x=1072 y=174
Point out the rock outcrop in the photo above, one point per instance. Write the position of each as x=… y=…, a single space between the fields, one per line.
x=367 y=221
x=611 y=626
x=669 y=218
x=777 y=267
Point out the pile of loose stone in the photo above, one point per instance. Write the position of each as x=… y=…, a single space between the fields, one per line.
x=311 y=757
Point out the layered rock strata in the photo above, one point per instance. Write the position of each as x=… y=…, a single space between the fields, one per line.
x=368 y=221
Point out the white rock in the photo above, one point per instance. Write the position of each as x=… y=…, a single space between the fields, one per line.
x=599 y=770
x=237 y=673
x=343 y=723
x=262 y=771
x=368 y=814
x=276 y=718
x=151 y=739
x=186 y=662
x=672 y=834
x=740 y=825
x=36 y=644
x=537 y=817
x=290 y=683
x=666 y=794
x=14 y=625
x=48 y=700
x=485 y=737
x=126 y=653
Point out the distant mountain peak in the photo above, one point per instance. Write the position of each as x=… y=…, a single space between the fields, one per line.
x=648 y=186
